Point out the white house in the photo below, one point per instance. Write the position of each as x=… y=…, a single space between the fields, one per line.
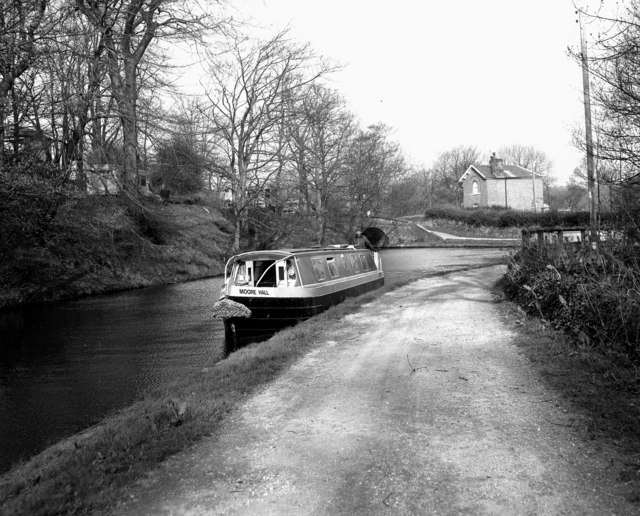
x=497 y=184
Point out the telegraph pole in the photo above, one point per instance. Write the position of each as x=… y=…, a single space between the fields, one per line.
x=535 y=206
x=593 y=199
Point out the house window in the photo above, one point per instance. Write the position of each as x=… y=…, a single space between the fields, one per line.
x=474 y=188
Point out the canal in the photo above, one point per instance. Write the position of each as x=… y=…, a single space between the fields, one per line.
x=65 y=366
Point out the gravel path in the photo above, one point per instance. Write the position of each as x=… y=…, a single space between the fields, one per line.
x=447 y=236
x=418 y=404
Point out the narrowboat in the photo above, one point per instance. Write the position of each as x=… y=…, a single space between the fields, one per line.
x=265 y=291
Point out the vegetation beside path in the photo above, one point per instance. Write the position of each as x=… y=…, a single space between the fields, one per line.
x=588 y=299
x=585 y=381
x=591 y=293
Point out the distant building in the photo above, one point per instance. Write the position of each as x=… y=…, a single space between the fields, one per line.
x=105 y=179
x=497 y=184
x=102 y=179
x=30 y=140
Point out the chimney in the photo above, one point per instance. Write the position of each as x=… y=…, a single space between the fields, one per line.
x=496 y=165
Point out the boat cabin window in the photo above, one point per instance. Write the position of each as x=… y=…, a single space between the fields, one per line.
x=363 y=261
x=345 y=267
x=243 y=274
x=355 y=263
x=333 y=269
x=265 y=273
x=318 y=270
x=291 y=271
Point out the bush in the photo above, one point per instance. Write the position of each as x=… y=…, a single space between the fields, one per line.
x=30 y=196
x=501 y=217
x=592 y=294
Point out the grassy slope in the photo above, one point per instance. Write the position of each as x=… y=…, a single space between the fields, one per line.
x=99 y=244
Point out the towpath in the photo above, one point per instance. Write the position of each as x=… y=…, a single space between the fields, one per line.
x=420 y=403
x=447 y=236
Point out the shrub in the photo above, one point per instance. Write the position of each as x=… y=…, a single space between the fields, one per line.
x=30 y=195
x=496 y=216
x=592 y=294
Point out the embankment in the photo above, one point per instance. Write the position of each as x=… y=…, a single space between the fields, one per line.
x=103 y=244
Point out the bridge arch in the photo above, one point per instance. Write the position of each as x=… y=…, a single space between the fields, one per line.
x=376 y=236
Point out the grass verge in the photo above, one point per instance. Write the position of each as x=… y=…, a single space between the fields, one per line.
x=91 y=471
x=602 y=387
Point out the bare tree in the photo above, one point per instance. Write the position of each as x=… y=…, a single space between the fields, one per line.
x=528 y=157
x=74 y=77
x=127 y=29
x=20 y=44
x=189 y=118
x=447 y=170
x=614 y=65
x=409 y=196
x=251 y=86
x=614 y=72
x=320 y=139
x=426 y=188
x=374 y=163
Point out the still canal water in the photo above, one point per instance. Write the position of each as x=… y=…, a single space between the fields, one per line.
x=65 y=366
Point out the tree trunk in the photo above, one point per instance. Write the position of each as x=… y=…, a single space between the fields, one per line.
x=236 y=235
x=320 y=219
x=16 y=123
x=127 y=97
x=239 y=200
x=2 y=115
x=130 y=147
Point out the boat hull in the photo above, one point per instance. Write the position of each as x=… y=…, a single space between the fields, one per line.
x=270 y=315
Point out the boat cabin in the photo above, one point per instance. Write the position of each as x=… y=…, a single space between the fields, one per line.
x=283 y=287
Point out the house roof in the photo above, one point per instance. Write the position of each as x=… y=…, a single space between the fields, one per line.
x=504 y=172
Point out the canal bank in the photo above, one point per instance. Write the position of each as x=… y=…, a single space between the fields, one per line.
x=84 y=476
x=104 y=244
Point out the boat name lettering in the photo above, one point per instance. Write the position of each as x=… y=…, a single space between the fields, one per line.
x=254 y=292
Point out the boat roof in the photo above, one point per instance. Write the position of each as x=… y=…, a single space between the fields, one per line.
x=277 y=254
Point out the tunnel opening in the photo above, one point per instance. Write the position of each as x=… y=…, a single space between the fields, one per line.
x=376 y=236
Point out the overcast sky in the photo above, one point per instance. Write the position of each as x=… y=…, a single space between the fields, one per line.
x=445 y=73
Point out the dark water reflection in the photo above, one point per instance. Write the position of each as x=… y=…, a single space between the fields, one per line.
x=65 y=366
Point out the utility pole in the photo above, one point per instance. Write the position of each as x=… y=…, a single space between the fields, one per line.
x=535 y=205
x=593 y=199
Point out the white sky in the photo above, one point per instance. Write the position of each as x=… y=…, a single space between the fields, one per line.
x=444 y=73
